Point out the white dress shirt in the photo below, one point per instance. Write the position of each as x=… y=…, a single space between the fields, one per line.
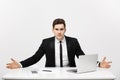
x=64 y=53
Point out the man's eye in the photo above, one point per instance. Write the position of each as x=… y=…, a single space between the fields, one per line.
x=56 y=29
x=61 y=29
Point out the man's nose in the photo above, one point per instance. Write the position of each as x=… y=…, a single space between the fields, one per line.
x=59 y=31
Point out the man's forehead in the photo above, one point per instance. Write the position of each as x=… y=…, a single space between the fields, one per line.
x=59 y=26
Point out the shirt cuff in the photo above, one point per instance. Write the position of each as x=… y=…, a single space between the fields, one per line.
x=98 y=63
x=20 y=65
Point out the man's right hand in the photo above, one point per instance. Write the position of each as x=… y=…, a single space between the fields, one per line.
x=13 y=65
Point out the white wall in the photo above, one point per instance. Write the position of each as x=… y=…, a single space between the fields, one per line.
x=24 y=23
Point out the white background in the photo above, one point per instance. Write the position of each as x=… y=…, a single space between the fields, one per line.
x=24 y=23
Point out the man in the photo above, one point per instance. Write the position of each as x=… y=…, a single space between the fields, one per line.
x=59 y=50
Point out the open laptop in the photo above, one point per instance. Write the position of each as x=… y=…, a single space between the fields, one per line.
x=86 y=63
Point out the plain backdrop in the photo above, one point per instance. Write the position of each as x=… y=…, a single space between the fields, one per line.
x=25 y=23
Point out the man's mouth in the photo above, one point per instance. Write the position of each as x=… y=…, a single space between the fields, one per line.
x=59 y=35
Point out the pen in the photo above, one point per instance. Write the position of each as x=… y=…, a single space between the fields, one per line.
x=47 y=70
x=34 y=72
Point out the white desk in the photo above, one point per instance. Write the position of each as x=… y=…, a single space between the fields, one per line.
x=58 y=74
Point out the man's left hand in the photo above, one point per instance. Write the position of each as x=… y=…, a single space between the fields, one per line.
x=105 y=64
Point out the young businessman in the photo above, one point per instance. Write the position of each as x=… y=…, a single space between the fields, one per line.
x=60 y=50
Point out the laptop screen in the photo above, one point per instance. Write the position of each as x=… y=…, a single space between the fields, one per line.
x=87 y=63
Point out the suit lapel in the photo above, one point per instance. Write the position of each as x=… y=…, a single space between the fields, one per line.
x=52 y=45
x=68 y=47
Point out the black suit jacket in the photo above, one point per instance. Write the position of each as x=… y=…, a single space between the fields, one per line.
x=47 y=48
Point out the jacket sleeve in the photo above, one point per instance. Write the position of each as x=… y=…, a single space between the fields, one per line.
x=35 y=58
x=78 y=49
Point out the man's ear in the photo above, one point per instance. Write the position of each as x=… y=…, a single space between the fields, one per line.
x=65 y=29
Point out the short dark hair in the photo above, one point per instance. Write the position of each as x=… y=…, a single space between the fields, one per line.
x=58 y=21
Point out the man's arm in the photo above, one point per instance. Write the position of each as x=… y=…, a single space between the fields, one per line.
x=79 y=51
x=29 y=61
x=35 y=58
x=32 y=60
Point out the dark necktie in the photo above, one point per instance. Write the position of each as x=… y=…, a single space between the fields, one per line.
x=61 y=61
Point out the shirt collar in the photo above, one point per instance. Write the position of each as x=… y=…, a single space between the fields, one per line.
x=63 y=40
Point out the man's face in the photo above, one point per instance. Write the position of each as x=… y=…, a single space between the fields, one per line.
x=59 y=31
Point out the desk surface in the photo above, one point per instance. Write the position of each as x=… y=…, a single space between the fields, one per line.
x=58 y=73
